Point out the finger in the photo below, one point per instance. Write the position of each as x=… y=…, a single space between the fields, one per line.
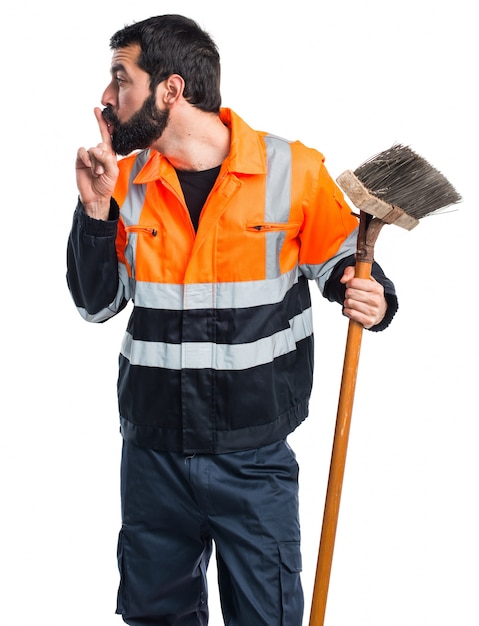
x=97 y=161
x=348 y=274
x=365 y=284
x=83 y=158
x=103 y=126
x=104 y=162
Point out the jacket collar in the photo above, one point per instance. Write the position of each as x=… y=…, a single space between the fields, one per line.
x=246 y=156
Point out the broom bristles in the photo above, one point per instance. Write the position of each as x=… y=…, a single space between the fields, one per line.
x=404 y=179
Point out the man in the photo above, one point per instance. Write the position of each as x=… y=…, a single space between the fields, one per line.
x=213 y=230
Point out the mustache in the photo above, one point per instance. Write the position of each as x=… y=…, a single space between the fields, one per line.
x=110 y=116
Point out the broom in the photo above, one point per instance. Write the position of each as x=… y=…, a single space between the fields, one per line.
x=396 y=186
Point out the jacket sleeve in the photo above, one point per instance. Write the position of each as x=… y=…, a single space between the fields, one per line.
x=329 y=242
x=334 y=290
x=93 y=275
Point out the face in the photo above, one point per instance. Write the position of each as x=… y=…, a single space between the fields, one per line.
x=130 y=108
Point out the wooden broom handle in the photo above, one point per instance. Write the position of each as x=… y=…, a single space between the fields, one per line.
x=338 y=462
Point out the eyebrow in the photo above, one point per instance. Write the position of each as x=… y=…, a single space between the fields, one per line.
x=118 y=67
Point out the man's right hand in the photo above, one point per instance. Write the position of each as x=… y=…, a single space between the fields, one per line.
x=96 y=173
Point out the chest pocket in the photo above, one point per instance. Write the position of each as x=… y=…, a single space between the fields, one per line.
x=133 y=233
x=280 y=244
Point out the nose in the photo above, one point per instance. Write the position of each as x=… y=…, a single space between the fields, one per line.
x=109 y=96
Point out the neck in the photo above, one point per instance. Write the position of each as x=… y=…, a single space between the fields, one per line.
x=194 y=140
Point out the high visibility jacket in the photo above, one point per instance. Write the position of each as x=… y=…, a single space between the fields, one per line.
x=218 y=352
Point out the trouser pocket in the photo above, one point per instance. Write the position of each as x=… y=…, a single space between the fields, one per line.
x=291 y=591
x=121 y=604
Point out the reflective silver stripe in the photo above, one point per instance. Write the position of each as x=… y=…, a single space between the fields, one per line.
x=322 y=272
x=234 y=295
x=133 y=205
x=206 y=355
x=123 y=291
x=278 y=198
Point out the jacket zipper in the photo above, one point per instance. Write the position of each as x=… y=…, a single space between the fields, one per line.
x=271 y=226
x=142 y=229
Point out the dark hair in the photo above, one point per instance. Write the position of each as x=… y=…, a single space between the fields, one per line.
x=173 y=44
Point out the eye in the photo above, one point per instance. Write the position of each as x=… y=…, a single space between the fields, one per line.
x=119 y=80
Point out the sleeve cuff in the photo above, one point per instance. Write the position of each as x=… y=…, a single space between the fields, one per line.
x=391 y=311
x=99 y=228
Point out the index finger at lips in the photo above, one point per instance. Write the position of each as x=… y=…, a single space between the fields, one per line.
x=103 y=126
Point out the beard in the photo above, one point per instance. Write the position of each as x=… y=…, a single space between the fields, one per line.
x=140 y=131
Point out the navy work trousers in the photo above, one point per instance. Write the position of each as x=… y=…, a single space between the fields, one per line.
x=174 y=507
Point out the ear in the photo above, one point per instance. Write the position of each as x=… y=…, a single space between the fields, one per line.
x=173 y=88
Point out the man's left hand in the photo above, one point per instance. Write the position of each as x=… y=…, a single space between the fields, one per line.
x=364 y=302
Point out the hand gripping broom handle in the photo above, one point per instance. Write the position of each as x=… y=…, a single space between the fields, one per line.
x=364 y=257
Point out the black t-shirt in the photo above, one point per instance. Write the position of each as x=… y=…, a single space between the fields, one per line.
x=196 y=187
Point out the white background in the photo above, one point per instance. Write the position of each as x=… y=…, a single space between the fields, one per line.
x=350 y=78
